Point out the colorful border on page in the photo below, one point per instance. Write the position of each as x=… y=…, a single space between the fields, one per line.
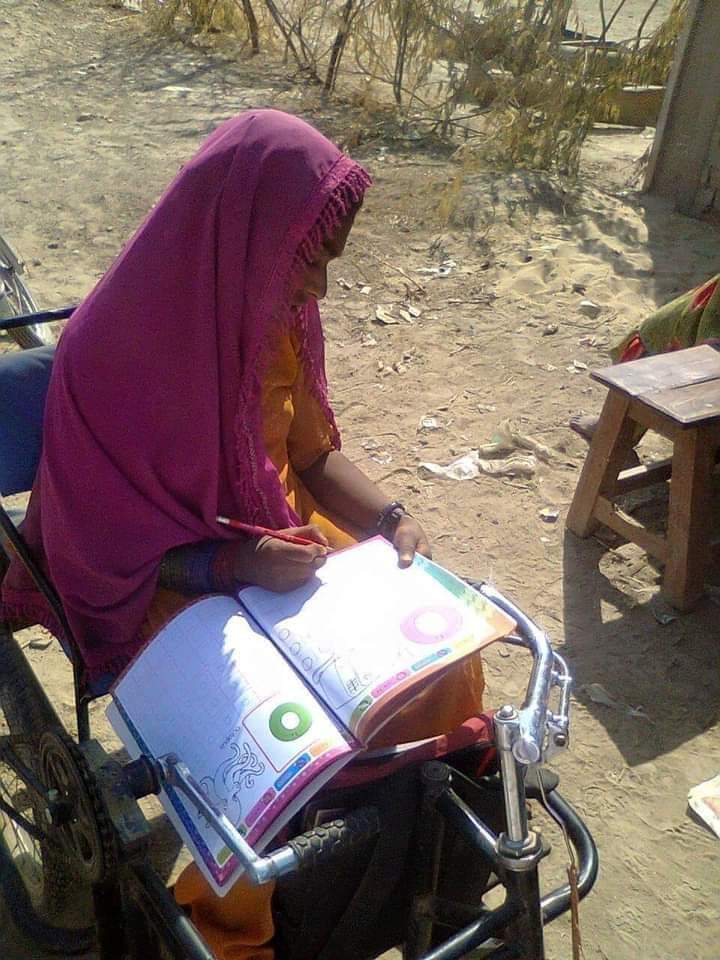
x=272 y=812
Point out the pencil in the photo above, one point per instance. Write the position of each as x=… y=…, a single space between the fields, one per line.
x=256 y=531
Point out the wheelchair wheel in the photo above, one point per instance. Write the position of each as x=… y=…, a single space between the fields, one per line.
x=15 y=299
x=40 y=888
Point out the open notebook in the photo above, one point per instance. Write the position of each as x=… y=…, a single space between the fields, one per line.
x=267 y=696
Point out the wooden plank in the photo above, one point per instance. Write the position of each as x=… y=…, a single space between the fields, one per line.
x=643 y=475
x=652 y=419
x=612 y=441
x=619 y=521
x=694 y=404
x=662 y=372
x=688 y=518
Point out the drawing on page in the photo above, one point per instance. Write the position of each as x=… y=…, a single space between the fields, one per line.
x=234 y=774
x=337 y=677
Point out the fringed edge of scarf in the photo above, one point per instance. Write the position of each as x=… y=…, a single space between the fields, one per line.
x=346 y=195
x=342 y=189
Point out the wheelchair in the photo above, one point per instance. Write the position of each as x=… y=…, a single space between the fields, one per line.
x=406 y=850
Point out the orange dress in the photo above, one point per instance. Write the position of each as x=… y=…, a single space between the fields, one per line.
x=239 y=926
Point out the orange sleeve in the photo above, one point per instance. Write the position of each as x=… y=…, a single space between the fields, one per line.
x=310 y=435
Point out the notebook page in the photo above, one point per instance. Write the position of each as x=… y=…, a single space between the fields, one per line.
x=211 y=688
x=365 y=633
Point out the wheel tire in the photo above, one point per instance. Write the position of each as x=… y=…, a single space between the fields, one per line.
x=16 y=299
x=39 y=886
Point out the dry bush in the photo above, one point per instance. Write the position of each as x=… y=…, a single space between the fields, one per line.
x=228 y=17
x=650 y=63
x=535 y=103
x=505 y=86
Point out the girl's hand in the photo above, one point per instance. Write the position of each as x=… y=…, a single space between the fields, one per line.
x=410 y=539
x=280 y=566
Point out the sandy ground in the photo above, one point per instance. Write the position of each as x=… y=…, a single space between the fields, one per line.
x=100 y=117
x=626 y=17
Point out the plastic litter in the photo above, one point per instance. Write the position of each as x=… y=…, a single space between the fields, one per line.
x=704 y=800
x=663 y=612
x=429 y=423
x=597 y=693
x=345 y=284
x=499 y=458
x=590 y=309
x=384 y=317
x=549 y=514
x=508 y=438
x=577 y=366
x=472 y=465
x=444 y=270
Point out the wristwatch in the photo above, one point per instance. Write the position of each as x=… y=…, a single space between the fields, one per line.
x=389 y=517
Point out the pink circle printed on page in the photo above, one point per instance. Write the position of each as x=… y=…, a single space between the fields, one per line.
x=431 y=624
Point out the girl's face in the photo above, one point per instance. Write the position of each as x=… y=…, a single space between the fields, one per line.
x=313 y=283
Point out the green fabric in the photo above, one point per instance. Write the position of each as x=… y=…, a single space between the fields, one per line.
x=679 y=324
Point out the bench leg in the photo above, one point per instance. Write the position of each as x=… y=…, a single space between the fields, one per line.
x=612 y=442
x=688 y=518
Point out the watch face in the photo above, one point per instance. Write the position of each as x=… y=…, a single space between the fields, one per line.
x=393 y=519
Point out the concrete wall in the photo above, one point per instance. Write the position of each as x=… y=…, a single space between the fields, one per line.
x=685 y=161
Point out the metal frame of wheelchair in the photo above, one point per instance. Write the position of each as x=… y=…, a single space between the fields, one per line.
x=136 y=915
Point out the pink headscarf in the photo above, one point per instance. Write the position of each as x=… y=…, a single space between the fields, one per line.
x=153 y=420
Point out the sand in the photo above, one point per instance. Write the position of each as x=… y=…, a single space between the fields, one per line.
x=101 y=116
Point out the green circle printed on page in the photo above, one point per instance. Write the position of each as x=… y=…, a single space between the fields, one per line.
x=289 y=721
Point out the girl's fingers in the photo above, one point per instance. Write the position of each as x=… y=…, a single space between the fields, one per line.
x=405 y=543
x=424 y=548
x=310 y=532
x=410 y=539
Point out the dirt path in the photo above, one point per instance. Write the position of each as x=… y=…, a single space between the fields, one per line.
x=100 y=117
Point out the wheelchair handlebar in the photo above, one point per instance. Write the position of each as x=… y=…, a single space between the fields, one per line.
x=361 y=826
x=536 y=723
x=539 y=725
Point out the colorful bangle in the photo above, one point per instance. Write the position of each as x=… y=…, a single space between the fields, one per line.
x=222 y=570
x=188 y=569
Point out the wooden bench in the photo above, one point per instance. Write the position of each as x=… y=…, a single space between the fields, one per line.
x=676 y=395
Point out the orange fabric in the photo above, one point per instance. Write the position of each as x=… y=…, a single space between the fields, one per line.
x=239 y=926
x=440 y=709
x=165 y=604
x=296 y=434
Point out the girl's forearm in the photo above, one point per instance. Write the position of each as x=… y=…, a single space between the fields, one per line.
x=340 y=487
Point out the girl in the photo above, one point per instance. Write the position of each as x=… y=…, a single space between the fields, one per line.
x=190 y=384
